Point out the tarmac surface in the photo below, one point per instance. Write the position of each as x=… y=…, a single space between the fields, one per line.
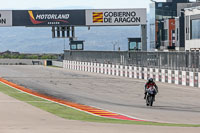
x=20 y=117
x=174 y=104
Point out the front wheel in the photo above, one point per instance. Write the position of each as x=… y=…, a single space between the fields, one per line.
x=149 y=100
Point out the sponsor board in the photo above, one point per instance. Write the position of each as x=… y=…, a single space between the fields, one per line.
x=5 y=18
x=114 y=17
x=96 y=17
x=48 y=17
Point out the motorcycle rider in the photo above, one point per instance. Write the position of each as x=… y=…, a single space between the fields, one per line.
x=150 y=83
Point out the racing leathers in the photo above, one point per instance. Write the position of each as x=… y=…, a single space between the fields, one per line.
x=148 y=85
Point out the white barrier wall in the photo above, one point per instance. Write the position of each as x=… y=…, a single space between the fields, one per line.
x=105 y=69
x=145 y=73
x=121 y=71
x=191 y=79
x=135 y=72
x=57 y=63
x=162 y=75
x=98 y=68
x=170 y=76
x=117 y=70
x=130 y=72
x=176 y=77
x=109 y=69
x=113 y=70
x=183 y=77
x=157 y=74
x=199 y=79
x=126 y=71
x=140 y=73
x=151 y=72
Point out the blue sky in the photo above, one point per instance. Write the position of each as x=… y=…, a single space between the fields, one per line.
x=73 y=4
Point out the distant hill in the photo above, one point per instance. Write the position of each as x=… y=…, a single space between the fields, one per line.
x=38 y=40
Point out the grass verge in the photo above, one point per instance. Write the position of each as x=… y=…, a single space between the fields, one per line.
x=72 y=114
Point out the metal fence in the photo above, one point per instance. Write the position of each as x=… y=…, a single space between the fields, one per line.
x=21 y=62
x=187 y=61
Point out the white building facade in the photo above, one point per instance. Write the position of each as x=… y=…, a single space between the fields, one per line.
x=192 y=28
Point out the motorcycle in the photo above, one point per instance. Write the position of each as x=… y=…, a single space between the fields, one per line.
x=151 y=92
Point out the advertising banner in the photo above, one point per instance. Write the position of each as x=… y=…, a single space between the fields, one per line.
x=5 y=18
x=115 y=17
x=48 y=17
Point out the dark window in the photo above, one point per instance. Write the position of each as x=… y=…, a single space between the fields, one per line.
x=195 y=29
x=177 y=34
x=165 y=34
x=187 y=21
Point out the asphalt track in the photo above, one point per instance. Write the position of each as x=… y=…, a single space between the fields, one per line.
x=20 y=117
x=175 y=104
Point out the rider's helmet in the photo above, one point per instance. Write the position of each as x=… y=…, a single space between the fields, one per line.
x=150 y=80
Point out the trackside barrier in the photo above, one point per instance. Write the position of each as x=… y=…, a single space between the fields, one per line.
x=198 y=80
x=140 y=72
x=117 y=70
x=113 y=70
x=183 y=77
x=126 y=71
x=163 y=75
x=191 y=78
x=151 y=72
x=178 y=77
x=170 y=76
x=157 y=74
x=130 y=72
x=146 y=73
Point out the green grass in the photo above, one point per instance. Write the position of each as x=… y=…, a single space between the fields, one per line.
x=72 y=114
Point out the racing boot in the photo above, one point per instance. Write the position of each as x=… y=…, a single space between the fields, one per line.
x=145 y=95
